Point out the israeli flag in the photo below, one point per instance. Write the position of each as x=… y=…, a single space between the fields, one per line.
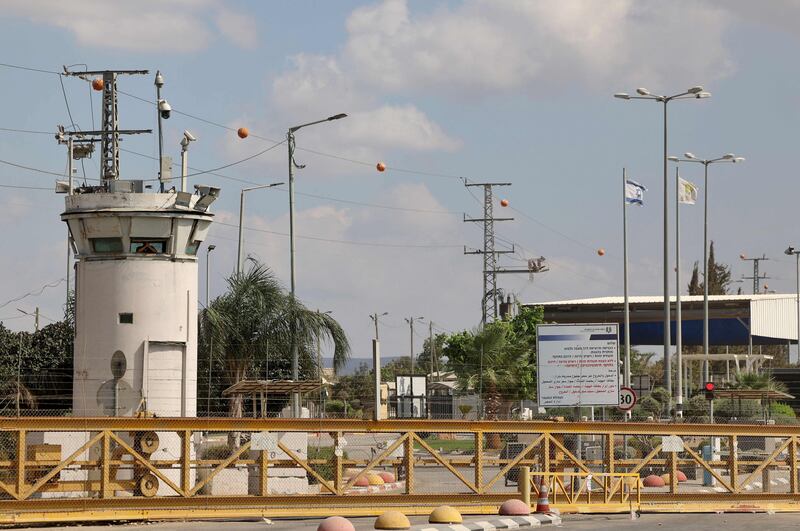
x=634 y=193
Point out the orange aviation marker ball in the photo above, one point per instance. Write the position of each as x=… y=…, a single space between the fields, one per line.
x=380 y=166
x=243 y=132
x=97 y=83
x=601 y=252
x=504 y=202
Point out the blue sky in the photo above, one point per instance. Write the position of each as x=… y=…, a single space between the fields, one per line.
x=488 y=90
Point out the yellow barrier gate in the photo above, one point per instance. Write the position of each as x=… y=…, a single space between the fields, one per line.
x=156 y=468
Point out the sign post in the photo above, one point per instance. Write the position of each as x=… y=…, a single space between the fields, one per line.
x=578 y=365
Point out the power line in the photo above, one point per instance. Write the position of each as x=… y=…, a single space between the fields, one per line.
x=33 y=293
x=25 y=187
x=348 y=242
x=30 y=69
x=28 y=131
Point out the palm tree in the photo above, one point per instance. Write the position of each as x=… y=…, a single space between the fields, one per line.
x=256 y=318
x=753 y=380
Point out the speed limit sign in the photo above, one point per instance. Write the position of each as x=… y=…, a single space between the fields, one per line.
x=627 y=398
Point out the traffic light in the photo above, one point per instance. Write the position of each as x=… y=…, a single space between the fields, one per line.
x=709 y=388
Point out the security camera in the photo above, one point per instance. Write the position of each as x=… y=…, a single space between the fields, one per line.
x=189 y=136
x=164 y=108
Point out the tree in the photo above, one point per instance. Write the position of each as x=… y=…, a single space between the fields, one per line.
x=719 y=277
x=254 y=323
x=499 y=361
x=424 y=358
x=695 y=288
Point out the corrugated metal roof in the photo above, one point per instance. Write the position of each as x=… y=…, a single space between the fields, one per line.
x=772 y=315
x=652 y=299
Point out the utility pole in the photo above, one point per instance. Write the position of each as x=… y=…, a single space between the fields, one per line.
x=375 y=319
x=755 y=278
x=430 y=346
x=489 y=305
x=410 y=321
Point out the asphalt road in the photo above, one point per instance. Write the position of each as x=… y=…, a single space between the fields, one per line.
x=647 y=522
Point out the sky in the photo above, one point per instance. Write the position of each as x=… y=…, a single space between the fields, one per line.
x=440 y=91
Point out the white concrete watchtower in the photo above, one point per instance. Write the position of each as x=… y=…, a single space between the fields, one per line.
x=136 y=282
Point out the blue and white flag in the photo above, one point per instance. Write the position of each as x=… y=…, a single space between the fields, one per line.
x=634 y=192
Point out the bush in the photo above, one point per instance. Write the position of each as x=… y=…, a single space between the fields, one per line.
x=325 y=469
x=781 y=412
x=334 y=406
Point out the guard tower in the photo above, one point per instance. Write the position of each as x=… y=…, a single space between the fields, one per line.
x=136 y=279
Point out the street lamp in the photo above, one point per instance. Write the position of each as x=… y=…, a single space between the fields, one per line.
x=410 y=321
x=292 y=165
x=208 y=268
x=796 y=252
x=240 y=250
x=211 y=334
x=375 y=318
x=696 y=92
x=691 y=157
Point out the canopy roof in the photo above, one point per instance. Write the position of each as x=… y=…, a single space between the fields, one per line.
x=770 y=319
x=272 y=387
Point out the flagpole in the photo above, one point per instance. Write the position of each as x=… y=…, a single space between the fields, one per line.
x=678 y=322
x=626 y=377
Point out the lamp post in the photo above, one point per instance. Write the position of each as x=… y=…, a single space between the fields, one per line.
x=375 y=319
x=210 y=335
x=240 y=249
x=690 y=157
x=290 y=142
x=208 y=269
x=410 y=321
x=796 y=252
x=696 y=92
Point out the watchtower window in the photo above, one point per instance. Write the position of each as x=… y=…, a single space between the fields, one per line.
x=126 y=318
x=106 y=245
x=192 y=247
x=148 y=246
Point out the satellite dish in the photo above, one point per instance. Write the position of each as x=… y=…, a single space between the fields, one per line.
x=117 y=398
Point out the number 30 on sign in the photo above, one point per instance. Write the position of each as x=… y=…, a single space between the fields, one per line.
x=627 y=398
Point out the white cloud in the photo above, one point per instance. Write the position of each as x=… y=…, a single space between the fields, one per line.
x=144 y=25
x=239 y=28
x=316 y=86
x=484 y=46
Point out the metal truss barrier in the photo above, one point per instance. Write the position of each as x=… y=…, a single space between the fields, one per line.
x=83 y=469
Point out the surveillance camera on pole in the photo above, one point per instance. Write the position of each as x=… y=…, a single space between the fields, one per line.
x=164 y=109
x=187 y=138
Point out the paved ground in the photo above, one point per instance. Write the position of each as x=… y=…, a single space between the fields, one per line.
x=648 y=522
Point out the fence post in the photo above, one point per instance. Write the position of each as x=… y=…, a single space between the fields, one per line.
x=186 y=462
x=793 y=464
x=408 y=462
x=733 y=462
x=479 y=461
x=337 y=463
x=105 y=476
x=524 y=482
x=21 y=456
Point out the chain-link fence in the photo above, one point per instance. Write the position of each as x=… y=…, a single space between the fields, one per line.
x=296 y=467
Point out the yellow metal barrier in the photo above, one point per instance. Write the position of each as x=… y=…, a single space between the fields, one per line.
x=155 y=468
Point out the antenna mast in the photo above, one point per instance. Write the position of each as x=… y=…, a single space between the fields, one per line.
x=109 y=142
